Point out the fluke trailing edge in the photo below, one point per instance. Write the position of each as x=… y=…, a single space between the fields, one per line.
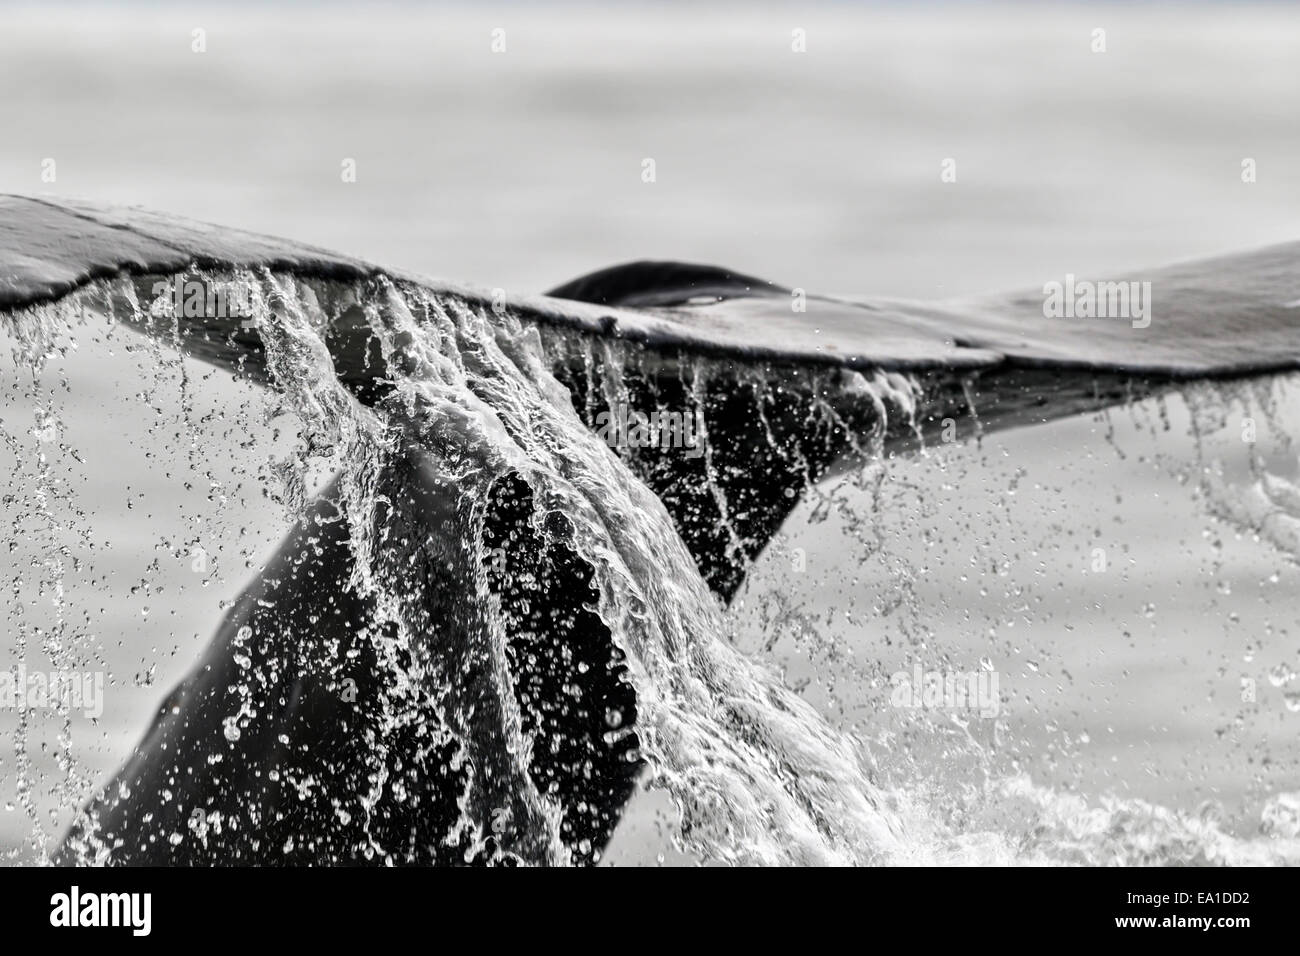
x=504 y=596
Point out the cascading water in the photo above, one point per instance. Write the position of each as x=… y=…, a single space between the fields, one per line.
x=471 y=492
x=758 y=776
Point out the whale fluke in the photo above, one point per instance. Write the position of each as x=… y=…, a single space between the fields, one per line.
x=536 y=737
x=650 y=284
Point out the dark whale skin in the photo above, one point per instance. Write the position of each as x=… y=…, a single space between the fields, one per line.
x=288 y=790
x=994 y=356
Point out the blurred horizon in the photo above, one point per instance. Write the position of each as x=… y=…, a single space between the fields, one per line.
x=820 y=169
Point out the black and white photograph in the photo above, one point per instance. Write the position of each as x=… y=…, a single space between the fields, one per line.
x=650 y=434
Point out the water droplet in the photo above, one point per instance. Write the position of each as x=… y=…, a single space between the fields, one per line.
x=1279 y=675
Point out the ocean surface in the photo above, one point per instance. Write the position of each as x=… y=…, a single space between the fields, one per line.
x=1148 y=704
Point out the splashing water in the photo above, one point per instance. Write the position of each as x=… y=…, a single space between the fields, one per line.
x=464 y=402
x=758 y=776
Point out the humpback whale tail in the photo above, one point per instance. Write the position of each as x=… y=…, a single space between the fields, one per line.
x=508 y=604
